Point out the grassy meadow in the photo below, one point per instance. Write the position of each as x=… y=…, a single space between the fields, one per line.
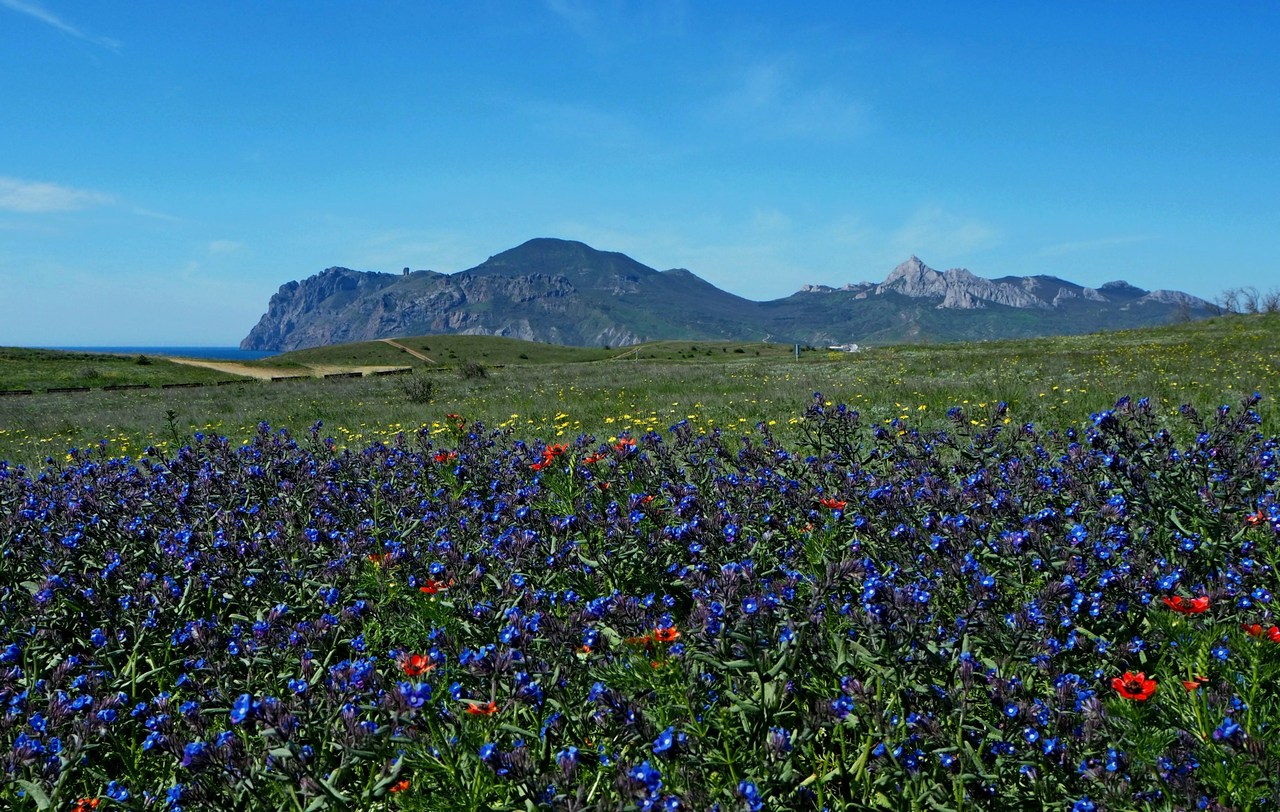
x=39 y=370
x=1007 y=575
x=547 y=392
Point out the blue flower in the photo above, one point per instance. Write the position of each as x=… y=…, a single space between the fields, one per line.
x=240 y=708
x=750 y=795
x=669 y=739
x=1226 y=730
x=193 y=754
x=116 y=792
x=647 y=774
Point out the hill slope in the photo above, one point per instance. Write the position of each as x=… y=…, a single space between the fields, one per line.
x=566 y=292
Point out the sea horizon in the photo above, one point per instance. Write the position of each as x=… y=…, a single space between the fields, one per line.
x=215 y=353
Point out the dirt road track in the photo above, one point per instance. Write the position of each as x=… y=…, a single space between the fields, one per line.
x=267 y=373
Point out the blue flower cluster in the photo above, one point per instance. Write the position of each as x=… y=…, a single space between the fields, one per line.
x=676 y=621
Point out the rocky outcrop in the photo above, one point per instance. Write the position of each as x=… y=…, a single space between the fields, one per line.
x=565 y=292
x=957 y=288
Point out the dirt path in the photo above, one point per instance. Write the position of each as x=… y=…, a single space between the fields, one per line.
x=409 y=350
x=267 y=373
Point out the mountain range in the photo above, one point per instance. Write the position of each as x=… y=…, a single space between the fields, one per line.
x=566 y=292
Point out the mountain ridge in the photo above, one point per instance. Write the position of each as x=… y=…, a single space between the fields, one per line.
x=566 y=292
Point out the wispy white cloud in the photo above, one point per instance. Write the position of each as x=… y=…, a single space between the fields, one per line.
x=157 y=215
x=600 y=23
x=1077 y=246
x=933 y=232
x=582 y=17
x=224 y=246
x=30 y=197
x=38 y=12
x=773 y=99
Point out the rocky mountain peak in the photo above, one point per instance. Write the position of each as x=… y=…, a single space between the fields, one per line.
x=564 y=291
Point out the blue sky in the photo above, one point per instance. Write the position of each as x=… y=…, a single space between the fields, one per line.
x=166 y=166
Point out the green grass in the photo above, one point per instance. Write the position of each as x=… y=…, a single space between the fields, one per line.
x=559 y=392
x=454 y=350
x=22 y=368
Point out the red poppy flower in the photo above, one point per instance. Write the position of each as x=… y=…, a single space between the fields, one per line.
x=433 y=586
x=401 y=785
x=477 y=709
x=832 y=503
x=1255 y=519
x=592 y=459
x=1273 y=634
x=624 y=445
x=667 y=635
x=416 y=664
x=1194 y=683
x=1252 y=629
x=1134 y=686
x=85 y=804
x=1187 y=607
x=445 y=456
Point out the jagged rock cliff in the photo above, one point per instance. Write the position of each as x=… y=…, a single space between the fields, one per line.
x=565 y=292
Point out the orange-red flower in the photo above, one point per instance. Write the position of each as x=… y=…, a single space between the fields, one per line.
x=667 y=635
x=445 y=456
x=1187 y=607
x=1255 y=519
x=380 y=559
x=476 y=709
x=624 y=444
x=831 y=503
x=1194 y=683
x=1134 y=686
x=416 y=664
x=548 y=454
x=592 y=459
x=643 y=640
x=433 y=586
x=401 y=785
x=1256 y=630
x=85 y=804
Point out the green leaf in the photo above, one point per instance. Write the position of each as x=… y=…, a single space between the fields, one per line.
x=35 y=792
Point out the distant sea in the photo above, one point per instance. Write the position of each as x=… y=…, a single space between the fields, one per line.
x=219 y=353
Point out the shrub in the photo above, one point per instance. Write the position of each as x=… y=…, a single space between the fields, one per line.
x=417 y=388
x=473 y=369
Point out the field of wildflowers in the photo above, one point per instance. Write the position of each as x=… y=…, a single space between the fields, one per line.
x=1059 y=381
x=981 y=613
